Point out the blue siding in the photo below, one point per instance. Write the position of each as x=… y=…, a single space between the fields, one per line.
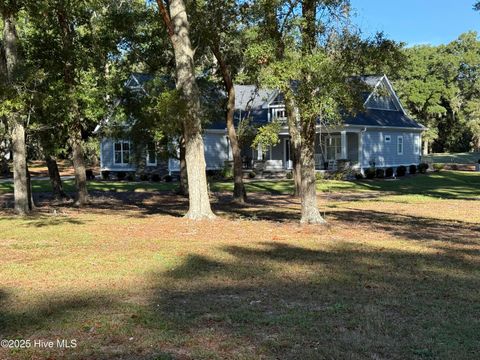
x=375 y=148
x=107 y=163
x=217 y=150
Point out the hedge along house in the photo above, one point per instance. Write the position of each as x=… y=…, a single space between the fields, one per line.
x=382 y=135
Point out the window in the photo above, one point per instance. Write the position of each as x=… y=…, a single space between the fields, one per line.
x=417 y=145
x=279 y=114
x=388 y=138
x=400 y=145
x=151 y=154
x=334 y=148
x=122 y=152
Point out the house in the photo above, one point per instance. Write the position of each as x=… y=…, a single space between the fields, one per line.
x=382 y=135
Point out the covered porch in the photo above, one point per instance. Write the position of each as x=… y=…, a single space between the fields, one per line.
x=331 y=148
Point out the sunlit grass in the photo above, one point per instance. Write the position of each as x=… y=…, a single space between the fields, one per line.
x=446 y=184
x=453 y=158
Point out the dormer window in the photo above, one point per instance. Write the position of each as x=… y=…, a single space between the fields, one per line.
x=279 y=114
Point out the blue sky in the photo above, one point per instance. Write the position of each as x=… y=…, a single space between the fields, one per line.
x=417 y=21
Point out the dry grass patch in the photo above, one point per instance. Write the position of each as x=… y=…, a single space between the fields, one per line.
x=388 y=278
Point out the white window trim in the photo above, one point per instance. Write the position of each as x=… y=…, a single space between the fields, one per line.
x=398 y=143
x=388 y=138
x=151 y=163
x=416 y=145
x=122 y=163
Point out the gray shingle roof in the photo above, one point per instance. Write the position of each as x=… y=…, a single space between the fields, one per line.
x=382 y=118
x=251 y=96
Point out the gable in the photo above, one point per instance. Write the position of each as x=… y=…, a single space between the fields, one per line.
x=382 y=97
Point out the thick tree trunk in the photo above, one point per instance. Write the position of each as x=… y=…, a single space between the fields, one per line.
x=78 y=158
x=20 y=180
x=67 y=31
x=310 y=212
x=183 y=189
x=55 y=179
x=295 y=141
x=239 y=193
x=178 y=30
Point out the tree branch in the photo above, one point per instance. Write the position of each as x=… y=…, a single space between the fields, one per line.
x=166 y=18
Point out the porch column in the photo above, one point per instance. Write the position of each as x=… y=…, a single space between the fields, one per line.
x=259 y=152
x=343 y=143
x=360 y=150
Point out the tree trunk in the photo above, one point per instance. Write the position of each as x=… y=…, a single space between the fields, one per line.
x=425 y=147
x=10 y=41
x=310 y=212
x=55 y=179
x=183 y=189
x=20 y=178
x=239 y=193
x=295 y=141
x=31 y=202
x=78 y=158
x=178 y=29
x=67 y=32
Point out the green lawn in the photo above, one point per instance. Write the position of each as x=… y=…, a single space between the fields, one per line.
x=446 y=184
x=453 y=158
x=395 y=275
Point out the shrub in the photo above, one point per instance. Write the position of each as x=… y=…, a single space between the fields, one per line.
x=422 y=168
x=143 y=177
x=370 y=173
x=155 y=178
x=319 y=176
x=338 y=175
x=289 y=175
x=252 y=174
x=227 y=173
x=121 y=175
x=359 y=176
x=168 y=178
x=105 y=175
x=213 y=175
x=389 y=172
x=412 y=169
x=438 y=167
x=130 y=177
x=89 y=174
x=401 y=170
x=380 y=173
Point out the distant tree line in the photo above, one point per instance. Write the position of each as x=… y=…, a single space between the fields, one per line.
x=440 y=87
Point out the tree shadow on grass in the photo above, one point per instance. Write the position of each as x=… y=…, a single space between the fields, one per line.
x=45 y=314
x=410 y=226
x=275 y=300
x=351 y=301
